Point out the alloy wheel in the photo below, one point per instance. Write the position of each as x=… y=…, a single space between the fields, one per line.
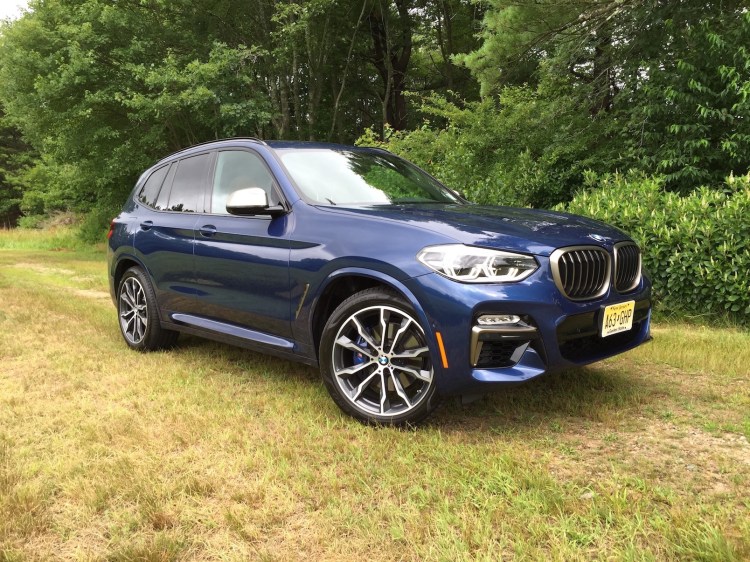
x=133 y=311
x=381 y=361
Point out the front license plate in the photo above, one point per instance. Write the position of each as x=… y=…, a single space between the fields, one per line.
x=617 y=318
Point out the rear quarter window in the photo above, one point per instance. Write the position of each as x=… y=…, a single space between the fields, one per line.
x=150 y=190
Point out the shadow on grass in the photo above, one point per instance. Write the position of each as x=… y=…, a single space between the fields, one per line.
x=244 y=363
x=598 y=393
x=595 y=393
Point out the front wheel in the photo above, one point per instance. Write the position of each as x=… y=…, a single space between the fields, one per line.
x=375 y=361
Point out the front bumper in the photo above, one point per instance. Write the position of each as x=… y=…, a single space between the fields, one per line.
x=554 y=333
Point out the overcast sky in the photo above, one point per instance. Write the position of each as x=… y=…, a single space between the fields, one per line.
x=11 y=8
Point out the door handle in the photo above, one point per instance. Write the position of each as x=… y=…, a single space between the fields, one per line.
x=145 y=225
x=207 y=230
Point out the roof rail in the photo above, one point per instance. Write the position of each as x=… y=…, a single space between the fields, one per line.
x=261 y=141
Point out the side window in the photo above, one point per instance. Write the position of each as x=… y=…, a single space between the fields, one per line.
x=163 y=199
x=151 y=188
x=187 y=190
x=238 y=169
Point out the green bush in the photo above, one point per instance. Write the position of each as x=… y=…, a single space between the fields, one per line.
x=696 y=247
x=521 y=147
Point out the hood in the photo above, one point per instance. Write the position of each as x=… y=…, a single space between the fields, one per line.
x=508 y=228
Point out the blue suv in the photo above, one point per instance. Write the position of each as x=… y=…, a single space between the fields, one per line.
x=357 y=262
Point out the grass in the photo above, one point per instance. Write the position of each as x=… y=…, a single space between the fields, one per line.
x=208 y=452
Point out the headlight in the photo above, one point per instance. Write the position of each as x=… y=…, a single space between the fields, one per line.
x=477 y=265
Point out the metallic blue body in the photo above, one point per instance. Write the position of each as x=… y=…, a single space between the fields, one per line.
x=258 y=281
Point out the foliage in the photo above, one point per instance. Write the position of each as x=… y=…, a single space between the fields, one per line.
x=690 y=121
x=521 y=147
x=101 y=89
x=696 y=247
x=13 y=155
x=670 y=80
x=602 y=86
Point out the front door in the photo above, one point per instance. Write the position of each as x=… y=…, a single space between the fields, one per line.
x=242 y=263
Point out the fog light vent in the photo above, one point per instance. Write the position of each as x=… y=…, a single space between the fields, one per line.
x=500 y=353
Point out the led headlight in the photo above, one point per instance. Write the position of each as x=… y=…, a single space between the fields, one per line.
x=477 y=265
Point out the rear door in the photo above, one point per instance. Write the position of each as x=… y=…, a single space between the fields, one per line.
x=242 y=263
x=165 y=238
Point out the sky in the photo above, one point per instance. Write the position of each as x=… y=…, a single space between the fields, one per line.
x=11 y=8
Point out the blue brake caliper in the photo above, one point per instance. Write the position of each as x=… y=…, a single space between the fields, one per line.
x=360 y=358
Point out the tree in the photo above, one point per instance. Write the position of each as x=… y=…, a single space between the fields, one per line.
x=688 y=115
x=671 y=79
x=101 y=103
x=14 y=154
x=391 y=28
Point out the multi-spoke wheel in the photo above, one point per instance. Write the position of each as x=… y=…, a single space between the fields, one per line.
x=133 y=311
x=375 y=360
x=139 y=320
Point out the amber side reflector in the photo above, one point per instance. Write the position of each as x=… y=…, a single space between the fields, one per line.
x=439 y=337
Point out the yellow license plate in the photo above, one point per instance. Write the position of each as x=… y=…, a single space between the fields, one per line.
x=617 y=318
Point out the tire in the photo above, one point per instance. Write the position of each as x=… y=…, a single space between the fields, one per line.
x=138 y=314
x=378 y=380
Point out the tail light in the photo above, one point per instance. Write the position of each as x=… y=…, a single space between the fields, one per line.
x=111 y=229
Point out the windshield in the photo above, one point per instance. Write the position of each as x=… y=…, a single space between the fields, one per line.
x=352 y=177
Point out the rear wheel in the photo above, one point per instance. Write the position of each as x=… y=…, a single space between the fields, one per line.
x=139 y=317
x=375 y=361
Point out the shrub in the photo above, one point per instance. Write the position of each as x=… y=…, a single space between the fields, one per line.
x=696 y=247
x=520 y=148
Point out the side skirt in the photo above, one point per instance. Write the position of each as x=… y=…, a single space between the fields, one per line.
x=240 y=337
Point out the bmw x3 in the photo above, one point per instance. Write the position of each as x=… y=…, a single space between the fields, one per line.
x=359 y=263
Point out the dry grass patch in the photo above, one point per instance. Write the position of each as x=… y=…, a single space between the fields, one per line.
x=208 y=452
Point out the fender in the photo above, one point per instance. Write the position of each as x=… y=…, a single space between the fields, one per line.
x=386 y=280
x=129 y=256
x=119 y=259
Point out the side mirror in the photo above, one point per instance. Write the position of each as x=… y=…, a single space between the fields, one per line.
x=251 y=201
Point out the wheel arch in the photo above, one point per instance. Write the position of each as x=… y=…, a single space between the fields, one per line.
x=118 y=269
x=124 y=263
x=343 y=283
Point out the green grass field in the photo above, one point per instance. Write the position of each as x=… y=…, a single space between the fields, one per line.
x=208 y=452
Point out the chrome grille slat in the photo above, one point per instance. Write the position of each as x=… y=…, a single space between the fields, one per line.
x=596 y=270
x=590 y=264
x=576 y=268
x=581 y=272
x=584 y=272
x=572 y=270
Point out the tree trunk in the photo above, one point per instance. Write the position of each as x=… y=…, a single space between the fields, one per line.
x=445 y=40
x=391 y=53
x=603 y=77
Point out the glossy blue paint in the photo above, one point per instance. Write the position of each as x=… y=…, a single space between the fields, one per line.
x=262 y=279
x=452 y=312
x=165 y=245
x=523 y=230
x=242 y=268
